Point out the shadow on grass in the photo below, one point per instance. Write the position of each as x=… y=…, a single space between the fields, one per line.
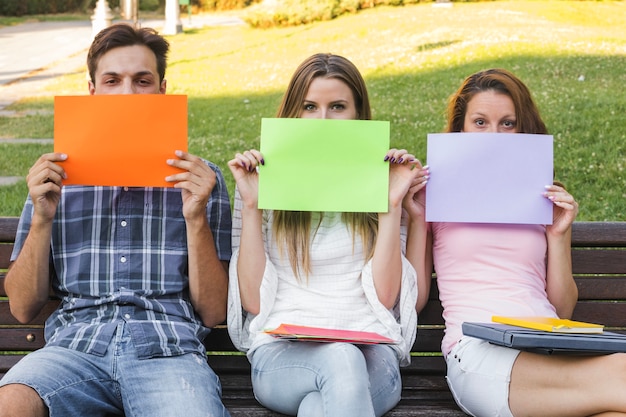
x=434 y=45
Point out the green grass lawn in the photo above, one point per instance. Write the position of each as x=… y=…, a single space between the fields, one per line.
x=571 y=54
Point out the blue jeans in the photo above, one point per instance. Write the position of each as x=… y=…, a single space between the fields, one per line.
x=326 y=379
x=74 y=384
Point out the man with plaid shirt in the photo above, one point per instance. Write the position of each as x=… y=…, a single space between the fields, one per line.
x=141 y=272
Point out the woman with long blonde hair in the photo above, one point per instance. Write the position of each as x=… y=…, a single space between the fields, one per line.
x=333 y=270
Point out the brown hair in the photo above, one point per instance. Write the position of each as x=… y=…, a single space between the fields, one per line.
x=293 y=228
x=122 y=34
x=326 y=66
x=502 y=81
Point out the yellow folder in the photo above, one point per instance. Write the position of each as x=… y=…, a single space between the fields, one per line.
x=550 y=324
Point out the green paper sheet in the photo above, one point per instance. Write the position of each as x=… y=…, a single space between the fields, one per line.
x=324 y=165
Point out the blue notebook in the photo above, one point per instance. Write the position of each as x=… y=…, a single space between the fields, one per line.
x=546 y=342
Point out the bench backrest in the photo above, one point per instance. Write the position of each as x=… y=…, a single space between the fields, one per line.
x=598 y=259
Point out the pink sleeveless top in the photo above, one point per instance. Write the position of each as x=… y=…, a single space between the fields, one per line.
x=489 y=269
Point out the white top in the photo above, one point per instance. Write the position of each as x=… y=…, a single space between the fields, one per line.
x=339 y=292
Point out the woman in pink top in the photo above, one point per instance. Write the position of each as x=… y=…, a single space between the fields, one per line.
x=515 y=270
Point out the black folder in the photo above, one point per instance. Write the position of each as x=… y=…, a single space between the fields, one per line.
x=546 y=342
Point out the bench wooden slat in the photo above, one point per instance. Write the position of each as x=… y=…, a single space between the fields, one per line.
x=7 y=318
x=413 y=407
x=422 y=409
x=610 y=313
x=600 y=261
x=239 y=407
x=27 y=339
x=419 y=408
x=426 y=408
x=8 y=229
x=605 y=234
x=21 y=338
x=411 y=382
x=5 y=255
x=601 y=288
x=7 y=361
x=428 y=341
x=584 y=262
x=444 y=409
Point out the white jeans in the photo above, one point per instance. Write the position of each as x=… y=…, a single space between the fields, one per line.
x=479 y=375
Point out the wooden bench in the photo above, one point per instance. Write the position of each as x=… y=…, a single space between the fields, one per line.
x=599 y=262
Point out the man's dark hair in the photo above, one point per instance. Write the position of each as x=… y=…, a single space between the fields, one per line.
x=121 y=34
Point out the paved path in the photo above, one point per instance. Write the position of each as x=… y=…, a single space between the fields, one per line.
x=33 y=54
x=33 y=46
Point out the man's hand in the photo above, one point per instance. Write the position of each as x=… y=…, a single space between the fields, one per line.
x=196 y=182
x=44 y=181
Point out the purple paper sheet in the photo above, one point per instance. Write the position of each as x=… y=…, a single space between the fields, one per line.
x=489 y=178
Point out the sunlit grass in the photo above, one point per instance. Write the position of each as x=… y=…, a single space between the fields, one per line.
x=572 y=55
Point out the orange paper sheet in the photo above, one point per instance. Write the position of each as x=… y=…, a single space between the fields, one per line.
x=120 y=140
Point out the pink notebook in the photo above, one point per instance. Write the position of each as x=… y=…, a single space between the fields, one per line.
x=318 y=334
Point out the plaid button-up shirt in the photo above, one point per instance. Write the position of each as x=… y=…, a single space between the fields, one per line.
x=121 y=254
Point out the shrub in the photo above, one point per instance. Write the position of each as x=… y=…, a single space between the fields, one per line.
x=13 y=8
x=298 y=12
x=213 y=5
x=148 y=5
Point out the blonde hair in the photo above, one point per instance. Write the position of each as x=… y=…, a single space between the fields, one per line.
x=292 y=229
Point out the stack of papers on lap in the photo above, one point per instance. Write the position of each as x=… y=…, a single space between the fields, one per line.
x=550 y=324
x=546 y=342
x=318 y=334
